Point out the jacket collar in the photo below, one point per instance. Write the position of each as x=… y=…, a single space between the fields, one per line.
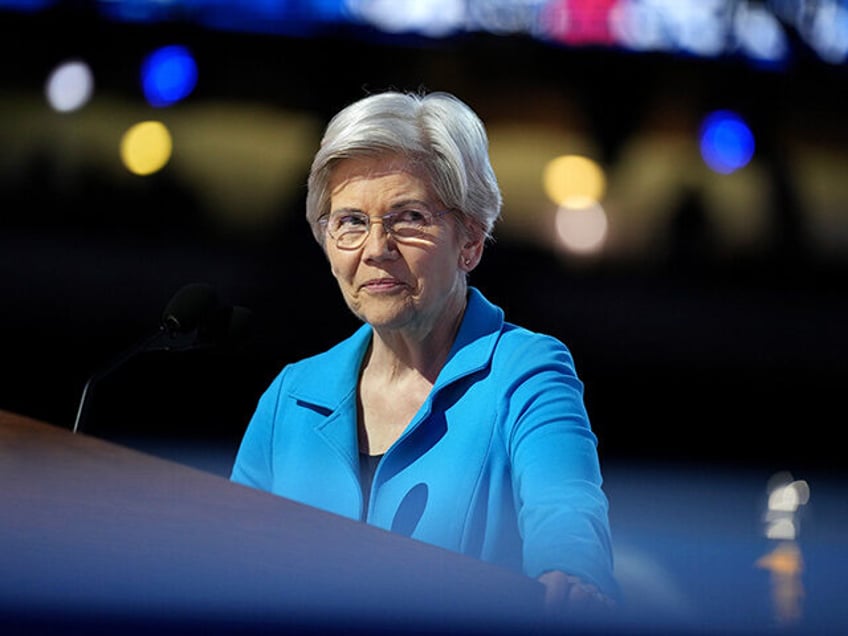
x=340 y=365
x=478 y=333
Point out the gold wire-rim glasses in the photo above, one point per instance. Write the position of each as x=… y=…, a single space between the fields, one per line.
x=351 y=228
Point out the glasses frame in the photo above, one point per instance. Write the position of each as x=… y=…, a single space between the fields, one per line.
x=324 y=222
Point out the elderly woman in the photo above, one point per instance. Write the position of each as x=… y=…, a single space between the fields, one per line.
x=436 y=419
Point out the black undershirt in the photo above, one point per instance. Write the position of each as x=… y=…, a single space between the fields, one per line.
x=367 y=468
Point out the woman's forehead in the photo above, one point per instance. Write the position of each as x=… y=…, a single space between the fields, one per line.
x=358 y=170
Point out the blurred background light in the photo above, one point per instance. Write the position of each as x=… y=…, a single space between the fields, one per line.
x=502 y=17
x=69 y=86
x=138 y=10
x=698 y=27
x=758 y=30
x=727 y=143
x=168 y=75
x=638 y=27
x=785 y=564
x=760 y=34
x=573 y=177
x=27 y=5
x=146 y=147
x=829 y=32
x=786 y=495
x=581 y=226
x=434 y=18
x=579 y=22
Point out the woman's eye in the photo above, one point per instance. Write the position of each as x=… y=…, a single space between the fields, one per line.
x=351 y=221
x=411 y=216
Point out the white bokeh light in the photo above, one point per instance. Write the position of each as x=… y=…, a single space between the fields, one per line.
x=759 y=34
x=828 y=34
x=433 y=18
x=786 y=495
x=581 y=226
x=69 y=86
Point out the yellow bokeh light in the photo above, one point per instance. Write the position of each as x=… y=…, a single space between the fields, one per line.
x=785 y=564
x=573 y=176
x=146 y=147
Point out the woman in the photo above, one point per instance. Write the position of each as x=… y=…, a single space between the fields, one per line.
x=436 y=419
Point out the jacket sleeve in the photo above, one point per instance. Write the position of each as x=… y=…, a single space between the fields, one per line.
x=562 y=509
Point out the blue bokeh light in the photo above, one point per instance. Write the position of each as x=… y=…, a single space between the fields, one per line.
x=168 y=75
x=27 y=5
x=727 y=143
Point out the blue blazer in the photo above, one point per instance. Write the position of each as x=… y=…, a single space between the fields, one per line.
x=500 y=462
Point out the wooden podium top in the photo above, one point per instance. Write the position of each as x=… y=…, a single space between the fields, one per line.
x=93 y=532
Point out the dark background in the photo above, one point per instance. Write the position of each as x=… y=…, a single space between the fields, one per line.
x=692 y=356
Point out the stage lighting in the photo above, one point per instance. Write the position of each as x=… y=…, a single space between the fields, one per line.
x=727 y=143
x=168 y=75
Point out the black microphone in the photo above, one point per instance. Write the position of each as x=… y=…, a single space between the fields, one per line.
x=190 y=308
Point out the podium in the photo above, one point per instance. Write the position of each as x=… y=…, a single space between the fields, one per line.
x=98 y=538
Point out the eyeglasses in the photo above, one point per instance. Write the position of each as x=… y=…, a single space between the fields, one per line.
x=349 y=229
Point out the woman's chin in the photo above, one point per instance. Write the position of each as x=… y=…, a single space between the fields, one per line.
x=389 y=317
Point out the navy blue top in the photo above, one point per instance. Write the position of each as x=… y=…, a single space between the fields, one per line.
x=367 y=468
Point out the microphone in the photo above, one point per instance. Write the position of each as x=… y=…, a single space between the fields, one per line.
x=188 y=307
x=194 y=307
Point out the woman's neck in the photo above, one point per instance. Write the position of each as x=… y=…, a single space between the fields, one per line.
x=399 y=354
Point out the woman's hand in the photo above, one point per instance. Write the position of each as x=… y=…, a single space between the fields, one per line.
x=567 y=595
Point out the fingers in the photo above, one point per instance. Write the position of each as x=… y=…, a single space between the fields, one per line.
x=566 y=595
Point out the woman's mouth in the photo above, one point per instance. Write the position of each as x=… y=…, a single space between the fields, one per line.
x=378 y=285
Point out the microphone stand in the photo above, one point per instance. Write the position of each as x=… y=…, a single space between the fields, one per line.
x=117 y=362
x=193 y=312
x=185 y=311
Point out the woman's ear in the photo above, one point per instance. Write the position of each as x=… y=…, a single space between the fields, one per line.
x=471 y=250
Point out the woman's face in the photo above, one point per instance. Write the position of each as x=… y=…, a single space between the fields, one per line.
x=391 y=284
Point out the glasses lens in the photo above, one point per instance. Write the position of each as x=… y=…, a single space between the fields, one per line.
x=348 y=228
x=408 y=223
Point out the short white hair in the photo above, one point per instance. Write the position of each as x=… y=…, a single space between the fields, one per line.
x=436 y=130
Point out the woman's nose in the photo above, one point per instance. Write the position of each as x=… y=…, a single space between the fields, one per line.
x=379 y=241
